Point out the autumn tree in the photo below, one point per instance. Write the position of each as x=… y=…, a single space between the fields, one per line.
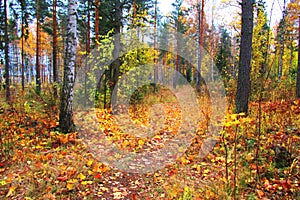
x=243 y=85
x=66 y=111
x=260 y=45
x=292 y=21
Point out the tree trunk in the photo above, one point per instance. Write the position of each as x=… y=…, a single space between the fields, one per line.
x=243 y=87
x=155 y=47
x=115 y=68
x=37 y=64
x=97 y=21
x=54 y=51
x=88 y=34
x=298 y=71
x=7 y=83
x=22 y=54
x=88 y=47
x=200 y=31
x=281 y=43
x=66 y=111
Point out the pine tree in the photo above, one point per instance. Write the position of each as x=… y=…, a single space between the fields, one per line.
x=243 y=87
x=224 y=57
x=6 y=44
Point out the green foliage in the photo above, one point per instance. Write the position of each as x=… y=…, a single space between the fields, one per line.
x=224 y=57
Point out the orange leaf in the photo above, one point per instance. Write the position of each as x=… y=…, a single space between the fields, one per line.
x=260 y=193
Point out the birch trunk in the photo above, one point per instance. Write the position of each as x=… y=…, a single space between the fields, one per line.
x=66 y=111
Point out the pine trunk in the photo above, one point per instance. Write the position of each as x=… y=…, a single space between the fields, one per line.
x=22 y=54
x=54 y=51
x=155 y=47
x=66 y=111
x=115 y=68
x=97 y=21
x=243 y=88
x=298 y=71
x=7 y=83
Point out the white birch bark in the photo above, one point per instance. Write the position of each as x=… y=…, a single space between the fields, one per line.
x=66 y=113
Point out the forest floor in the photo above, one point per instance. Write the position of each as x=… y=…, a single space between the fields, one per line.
x=255 y=157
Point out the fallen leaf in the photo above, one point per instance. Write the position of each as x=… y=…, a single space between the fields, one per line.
x=81 y=176
x=11 y=191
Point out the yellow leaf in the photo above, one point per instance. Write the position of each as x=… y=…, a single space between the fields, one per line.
x=11 y=191
x=81 y=176
x=2 y=182
x=72 y=181
x=38 y=146
x=141 y=143
x=86 y=182
x=70 y=186
x=89 y=163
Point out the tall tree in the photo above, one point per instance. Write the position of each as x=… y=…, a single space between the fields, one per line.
x=21 y=11
x=224 y=56
x=66 y=110
x=298 y=71
x=115 y=66
x=260 y=46
x=54 y=49
x=281 y=34
x=6 y=41
x=37 y=61
x=200 y=31
x=97 y=20
x=243 y=85
x=155 y=47
x=179 y=27
x=41 y=12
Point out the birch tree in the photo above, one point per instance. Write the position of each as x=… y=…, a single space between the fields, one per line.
x=66 y=113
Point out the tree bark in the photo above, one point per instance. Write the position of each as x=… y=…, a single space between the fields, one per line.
x=97 y=20
x=38 y=68
x=115 y=66
x=243 y=87
x=155 y=47
x=66 y=109
x=54 y=51
x=7 y=83
x=22 y=52
x=200 y=31
x=298 y=71
x=281 y=43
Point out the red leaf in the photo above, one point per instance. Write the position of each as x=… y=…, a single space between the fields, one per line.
x=98 y=176
x=62 y=178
